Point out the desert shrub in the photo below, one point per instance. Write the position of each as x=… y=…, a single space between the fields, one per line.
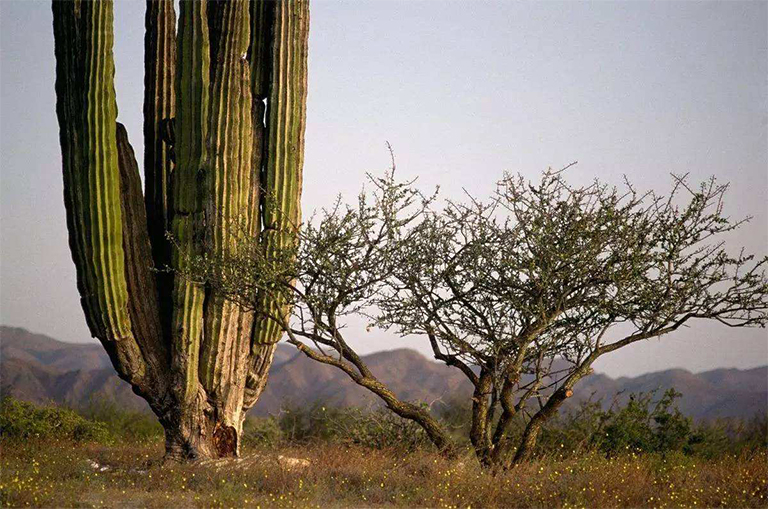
x=753 y=434
x=712 y=439
x=629 y=428
x=729 y=436
x=572 y=432
x=308 y=423
x=456 y=415
x=380 y=429
x=262 y=431
x=646 y=424
x=377 y=428
x=642 y=426
x=22 y=420
x=130 y=425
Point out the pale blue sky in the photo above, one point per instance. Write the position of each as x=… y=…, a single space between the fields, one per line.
x=463 y=91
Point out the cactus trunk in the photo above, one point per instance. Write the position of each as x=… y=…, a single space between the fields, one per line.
x=212 y=165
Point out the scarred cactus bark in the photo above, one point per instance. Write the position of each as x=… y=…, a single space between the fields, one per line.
x=211 y=161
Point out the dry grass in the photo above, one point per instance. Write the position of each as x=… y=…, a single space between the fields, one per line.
x=61 y=474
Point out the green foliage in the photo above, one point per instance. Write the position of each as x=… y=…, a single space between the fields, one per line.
x=377 y=429
x=643 y=424
x=134 y=427
x=640 y=427
x=262 y=431
x=573 y=432
x=754 y=434
x=380 y=429
x=649 y=425
x=23 y=420
x=99 y=421
x=726 y=436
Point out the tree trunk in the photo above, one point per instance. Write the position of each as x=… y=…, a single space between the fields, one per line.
x=531 y=433
x=550 y=408
x=478 y=433
x=527 y=444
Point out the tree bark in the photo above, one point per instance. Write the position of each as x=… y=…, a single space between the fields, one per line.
x=478 y=433
x=527 y=443
x=550 y=408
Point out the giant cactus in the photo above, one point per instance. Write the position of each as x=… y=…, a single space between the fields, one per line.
x=224 y=117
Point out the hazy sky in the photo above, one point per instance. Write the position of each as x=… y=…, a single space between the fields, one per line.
x=463 y=91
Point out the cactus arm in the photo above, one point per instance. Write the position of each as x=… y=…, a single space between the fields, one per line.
x=192 y=98
x=140 y=281
x=282 y=76
x=87 y=110
x=159 y=109
x=229 y=191
x=260 y=56
x=286 y=121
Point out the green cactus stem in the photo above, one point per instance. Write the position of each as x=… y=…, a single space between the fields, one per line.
x=210 y=162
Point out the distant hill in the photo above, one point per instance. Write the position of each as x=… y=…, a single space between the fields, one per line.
x=38 y=368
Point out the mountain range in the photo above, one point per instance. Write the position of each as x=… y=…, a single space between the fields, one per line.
x=38 y=368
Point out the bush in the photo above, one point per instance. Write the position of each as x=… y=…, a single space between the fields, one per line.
x=753 y=434
x=647 y=425
x=639 y=428
x=129 y=425
x=378 y=429
x=573 y=432
x=262 y=431
x=644 y=424
x=22 y=420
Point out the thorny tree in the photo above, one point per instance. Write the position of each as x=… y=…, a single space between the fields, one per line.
x=522 y=294
x=210 y=147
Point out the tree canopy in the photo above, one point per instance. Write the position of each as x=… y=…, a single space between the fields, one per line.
x=521 y=292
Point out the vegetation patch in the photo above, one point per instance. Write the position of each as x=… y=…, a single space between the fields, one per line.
x=642 y=454
x=61 y=474
x=22 y=420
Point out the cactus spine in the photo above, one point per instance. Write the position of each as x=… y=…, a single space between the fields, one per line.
x=210 y=159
